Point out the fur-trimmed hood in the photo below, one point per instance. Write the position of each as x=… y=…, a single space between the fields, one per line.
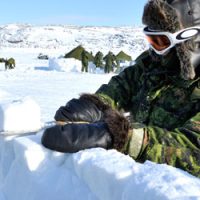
x=159 y=15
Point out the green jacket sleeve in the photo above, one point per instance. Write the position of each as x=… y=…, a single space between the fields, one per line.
x=120 y=89
x=179 y=148
x=117 y=91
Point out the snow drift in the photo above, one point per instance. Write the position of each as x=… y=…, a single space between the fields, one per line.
x=31 y=172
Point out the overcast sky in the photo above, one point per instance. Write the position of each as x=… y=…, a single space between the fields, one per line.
x=75 y=12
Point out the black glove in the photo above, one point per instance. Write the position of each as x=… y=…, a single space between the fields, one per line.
x=71 y=138
x=105 y=123
x=87 y=109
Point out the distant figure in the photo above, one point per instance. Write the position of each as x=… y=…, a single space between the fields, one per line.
x=84 y=60
x=110 y=62
x=98 y=59
x=10 y=63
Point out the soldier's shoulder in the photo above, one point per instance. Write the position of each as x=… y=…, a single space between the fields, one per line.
x=142 y=60
x=143 y=57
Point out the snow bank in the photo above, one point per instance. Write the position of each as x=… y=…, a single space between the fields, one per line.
x=65 y=65
x=20 y=115
x=33 y=172
x=4 y=94
x=71 y=65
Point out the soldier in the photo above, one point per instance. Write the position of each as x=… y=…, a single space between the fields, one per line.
x=110 y=62
x=98 y=59
x=10 y=63
x=84 y=61
x=161 y=92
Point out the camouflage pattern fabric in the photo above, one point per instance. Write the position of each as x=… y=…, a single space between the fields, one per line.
x=166 y=107
x=109 y=59
x=98 y=59
x=84 y=60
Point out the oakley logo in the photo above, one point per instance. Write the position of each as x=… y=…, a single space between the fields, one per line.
x=187 y=34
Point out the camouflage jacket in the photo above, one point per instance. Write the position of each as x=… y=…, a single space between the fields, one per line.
x=84 y=58
x=162 y=105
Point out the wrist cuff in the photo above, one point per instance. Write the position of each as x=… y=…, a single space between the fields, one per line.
x=135 y=143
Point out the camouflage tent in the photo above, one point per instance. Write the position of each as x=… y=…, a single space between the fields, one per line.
x=121 y=56
x=76 y=53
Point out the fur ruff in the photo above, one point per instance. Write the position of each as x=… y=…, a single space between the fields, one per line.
x=118 y=125
x=159 y=15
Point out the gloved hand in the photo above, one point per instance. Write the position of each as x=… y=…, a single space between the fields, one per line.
x=103 y=122
x=74 y=137
x=88 y=108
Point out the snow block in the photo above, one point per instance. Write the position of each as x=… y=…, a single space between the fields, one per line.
x=20 y=115
x=65 y=65
x=29 y=171
x=71 y=65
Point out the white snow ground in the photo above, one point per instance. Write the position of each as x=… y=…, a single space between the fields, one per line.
x=28 y=171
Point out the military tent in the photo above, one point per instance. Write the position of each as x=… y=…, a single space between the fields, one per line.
x=76 y=53
x=121 y=56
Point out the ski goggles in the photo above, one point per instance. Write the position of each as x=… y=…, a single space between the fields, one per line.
x=161 y=42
